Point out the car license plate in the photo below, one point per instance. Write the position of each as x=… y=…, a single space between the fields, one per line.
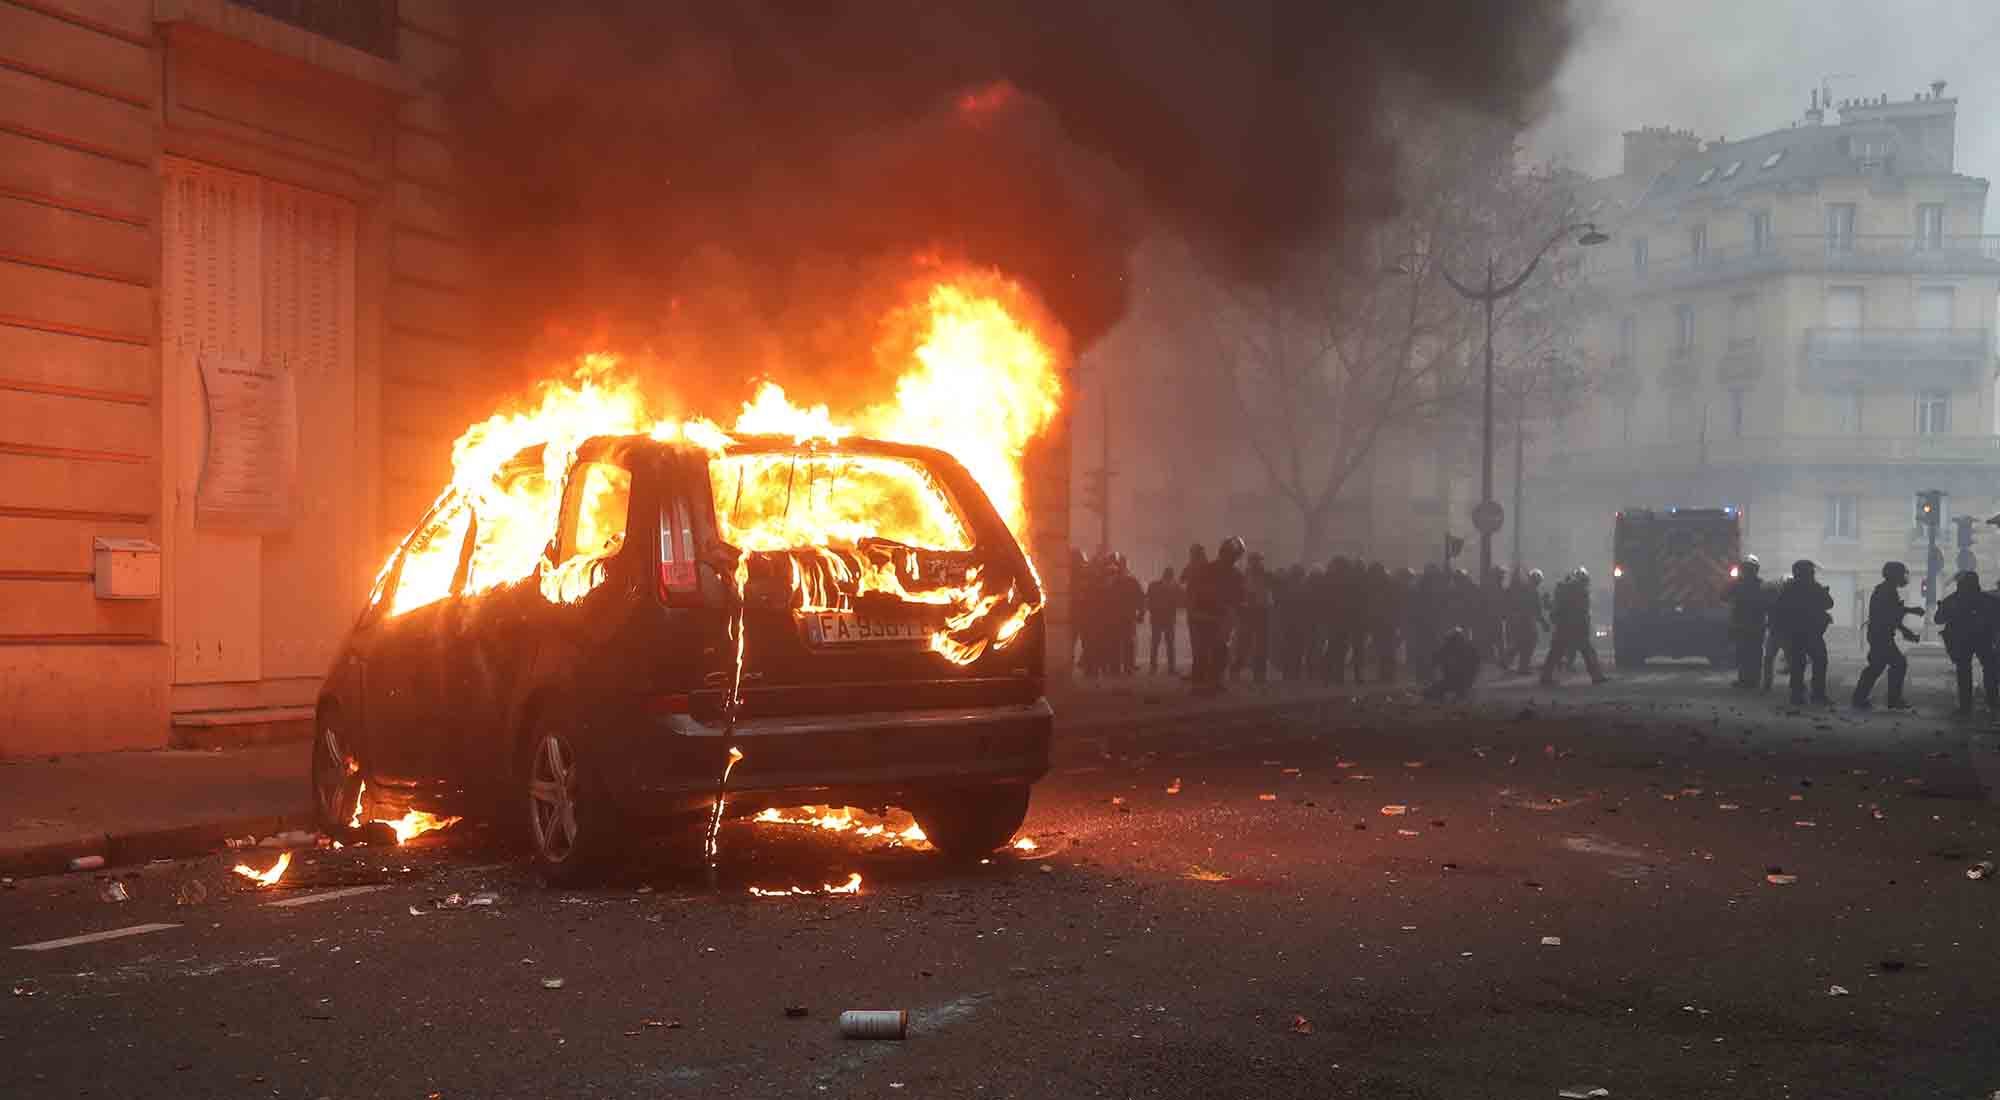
x=849 y=628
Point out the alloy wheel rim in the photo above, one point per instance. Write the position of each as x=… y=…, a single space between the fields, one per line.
x=552 y=789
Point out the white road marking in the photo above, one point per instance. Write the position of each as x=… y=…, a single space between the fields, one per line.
x=95 y=937
x=314 y=899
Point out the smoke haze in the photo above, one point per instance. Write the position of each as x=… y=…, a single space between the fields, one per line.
x=745 y=179
x=1724 y=68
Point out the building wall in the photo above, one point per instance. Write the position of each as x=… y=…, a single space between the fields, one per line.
x=99 y=99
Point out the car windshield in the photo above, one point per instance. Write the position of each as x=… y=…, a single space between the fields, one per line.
x=783 y=500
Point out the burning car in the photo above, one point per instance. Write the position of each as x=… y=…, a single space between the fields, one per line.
x=608 y=640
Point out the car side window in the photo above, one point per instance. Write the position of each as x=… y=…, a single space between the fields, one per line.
x=431 y=558
x=513 y=529
x=597 y=502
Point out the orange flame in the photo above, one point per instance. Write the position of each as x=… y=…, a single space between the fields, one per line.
x=979 y=381
x=266 y=878
x=851 y=886
x=413 y=823
x=845 y=819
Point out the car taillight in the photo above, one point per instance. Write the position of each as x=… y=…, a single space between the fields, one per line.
x=680 y=574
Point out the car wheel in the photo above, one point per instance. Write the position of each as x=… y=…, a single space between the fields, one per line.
x=571 y=830
x=336 y=774
x=970 y=824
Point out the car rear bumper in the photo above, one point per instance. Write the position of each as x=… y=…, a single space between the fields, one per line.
x=854 y=758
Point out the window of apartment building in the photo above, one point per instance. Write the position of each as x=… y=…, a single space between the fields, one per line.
x=1930 y=225
x=1840 y=226
x=1737 y=400
x=1846 y=412
x=1844 y=307
x=1842 y=521
x=1934 y=412
x=1743 y=321
x=1639 y=254
x=1698 y=244
x=1683 y=331
x=1760 y=232
x=1934 y=307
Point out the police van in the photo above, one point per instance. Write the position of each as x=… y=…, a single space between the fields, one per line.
x=1670 y=582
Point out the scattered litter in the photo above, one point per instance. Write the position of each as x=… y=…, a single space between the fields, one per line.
x=1779 y=878
x=1046 y=869
x=1199 y=873
x=1806 y=824
x=1836 y=991
x=1583 y=1092
x=191 y=892
x=480 y=900
x=26 y=988
x=1413 y=763
x=552 y=983
x=1289 y=771
x=1343 y=764
x=1727 y=806
x=796 y=1012
x=114 y=892
x=1267 y=798
x=670 y=1025
x=1175 y=786
x=86 y=863
x=1395 y=809
x=1795 y=798
x=1983 y=869
x=1272 y=763
x=874 y=1024
x=1117 y=800
x=1552 y=941
x=1301 y=1026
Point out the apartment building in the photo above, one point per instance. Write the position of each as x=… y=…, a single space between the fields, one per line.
x=1799 y=324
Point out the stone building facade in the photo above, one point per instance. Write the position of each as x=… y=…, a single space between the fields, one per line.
x=1800 y=324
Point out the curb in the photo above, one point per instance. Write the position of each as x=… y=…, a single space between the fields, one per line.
x=1085 y=739
x=142 y=845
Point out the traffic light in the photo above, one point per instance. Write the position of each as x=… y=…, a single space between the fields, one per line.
x=1929 y=503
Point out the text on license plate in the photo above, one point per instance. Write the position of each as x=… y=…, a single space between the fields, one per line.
x=848 y=628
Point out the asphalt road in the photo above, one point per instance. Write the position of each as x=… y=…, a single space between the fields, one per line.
x=1221 y=913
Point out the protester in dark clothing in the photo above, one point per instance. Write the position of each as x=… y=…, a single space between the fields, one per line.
x=1163 y=610
x=1200 y=611
x=1253 y=625
x=1571 y=628
x=1885 y=620
x=1748 y=604
x=1384 y=620
x=1421 y=620
x=1339 y=610
x=1457 y=662
x=1222 y=597
x=1969 y=617
x=1774 y=638
x=1128 y=610
x=1801 y=613
x=1525 y=620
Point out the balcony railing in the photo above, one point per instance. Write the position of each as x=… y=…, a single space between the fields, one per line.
x=1876 y=254
x=1907 y=358
x=368 y=25
x=1790 y=450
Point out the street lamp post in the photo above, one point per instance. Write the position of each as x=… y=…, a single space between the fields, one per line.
x=1487 y=516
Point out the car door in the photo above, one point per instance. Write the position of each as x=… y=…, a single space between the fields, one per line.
x=407 y=703
x=592 y=586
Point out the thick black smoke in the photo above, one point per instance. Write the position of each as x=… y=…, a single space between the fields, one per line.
x=707 y=177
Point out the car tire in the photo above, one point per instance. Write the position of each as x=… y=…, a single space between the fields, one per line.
x=970 y=824
x=335 y=772
x=569 y=826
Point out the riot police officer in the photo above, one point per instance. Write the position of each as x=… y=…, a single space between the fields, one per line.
x=1886 y=612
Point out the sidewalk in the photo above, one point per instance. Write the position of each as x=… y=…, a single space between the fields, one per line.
x=133 y=806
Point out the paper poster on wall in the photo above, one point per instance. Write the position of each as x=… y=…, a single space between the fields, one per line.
x=249 y=473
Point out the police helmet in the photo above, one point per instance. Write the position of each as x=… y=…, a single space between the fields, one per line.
x=1580 y=574
x=1750 y=564
x=1535 y=575
x=1232 y=548
x=1969 y=580
x=1803 y=570
x=1895 y=571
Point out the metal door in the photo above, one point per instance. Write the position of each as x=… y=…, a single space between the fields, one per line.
x=261 y=276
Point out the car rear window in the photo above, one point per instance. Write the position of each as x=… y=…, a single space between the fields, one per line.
x=782 y=500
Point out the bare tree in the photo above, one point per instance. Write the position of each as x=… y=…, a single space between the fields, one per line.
x=1343 y=347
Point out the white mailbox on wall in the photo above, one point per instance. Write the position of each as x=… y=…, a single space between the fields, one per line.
x=126 y=569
